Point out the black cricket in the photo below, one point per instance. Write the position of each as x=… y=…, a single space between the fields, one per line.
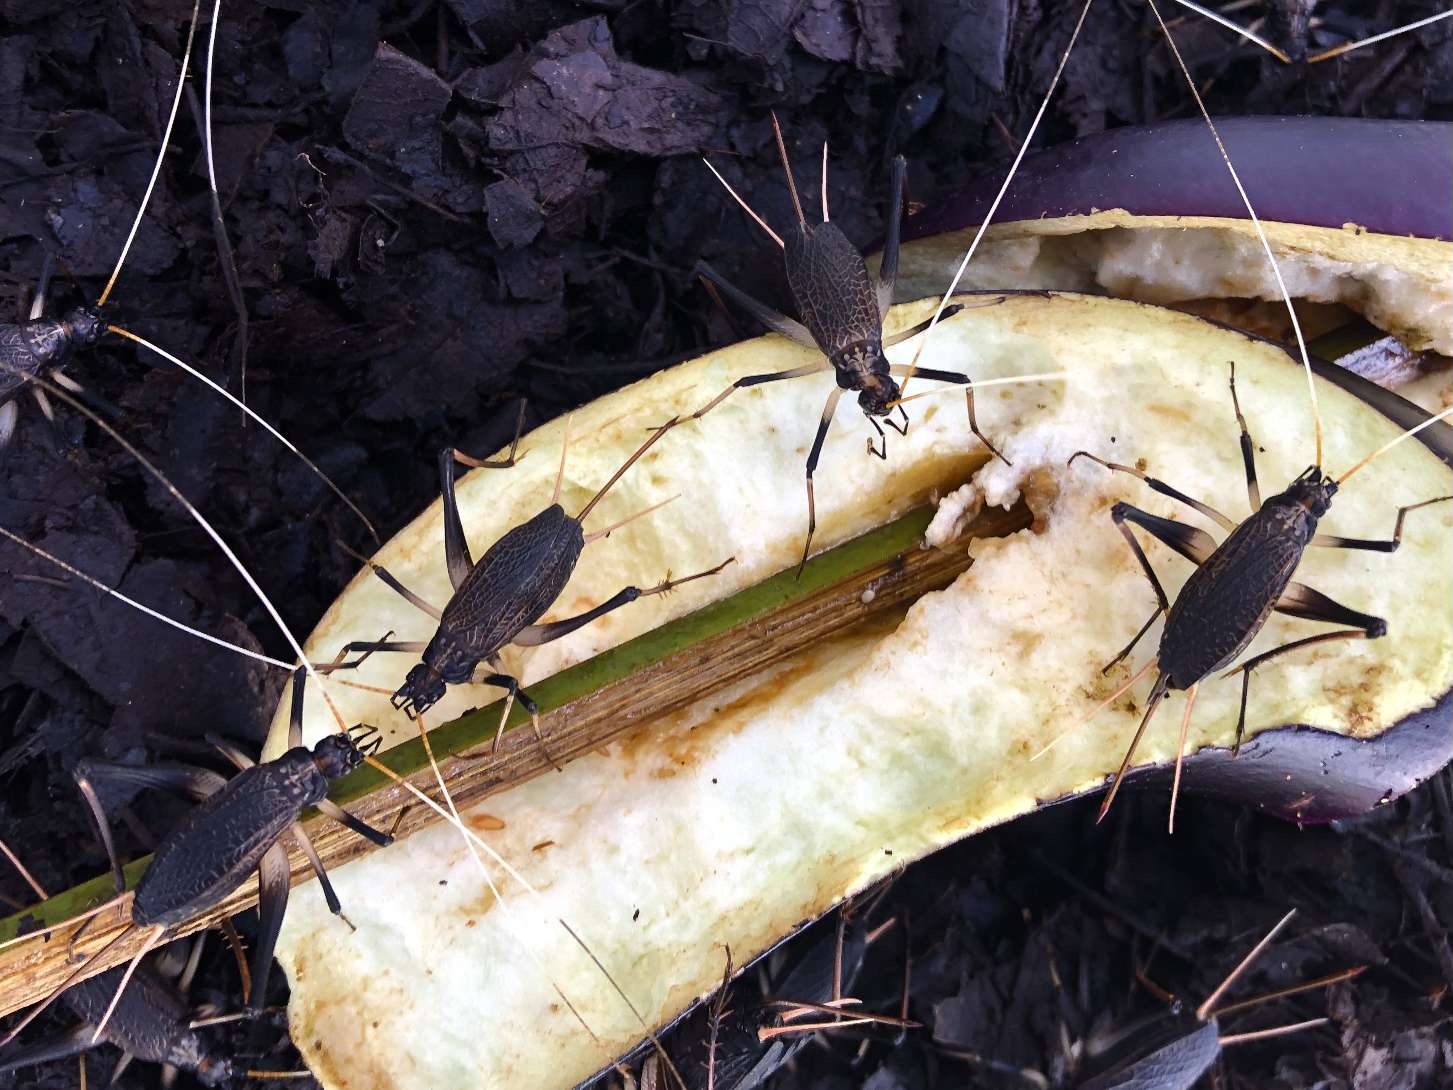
x=842 y=316
x=1237 y=585
x=151 y=1022
x=498 y=600
x=236 y=828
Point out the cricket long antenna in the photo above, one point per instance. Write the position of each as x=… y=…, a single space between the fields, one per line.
x=1295 y=989
x=980 y=384
x=1348 y=47
x=1255 y=222
x=134 y=604
x=1236 y=28
x=747 y=208
x=1208 y=1007
x=662 y=430
x=279 y=436
x=191 y=509
x=1380 y=451
x=787 y=169
x=489 y=879
x=998 y=197
x=160 y=156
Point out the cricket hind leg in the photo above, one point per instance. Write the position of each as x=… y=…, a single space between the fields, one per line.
x=1194 y=544
x=456 y=546
x=920 y=327
x=71 y=1043
x=92 y=776
x=888 y=268
x=1300 y=600
x=903 y=371
x=1156 y=485
x=1376 y=545
x=773 y=319
x=392 y=582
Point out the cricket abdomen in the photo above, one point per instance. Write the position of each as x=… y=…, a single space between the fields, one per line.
x=219 y=842
x=150 y=1021
x=1227 y=599
x=833 y=291
x=510 y=587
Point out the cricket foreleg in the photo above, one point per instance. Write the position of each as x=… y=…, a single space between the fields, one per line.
x=1300 y=600
x=1390 y=545
x=513 y=691
x=823 y=424
x=959 y=379
x=368 y=647
x=1160 y=486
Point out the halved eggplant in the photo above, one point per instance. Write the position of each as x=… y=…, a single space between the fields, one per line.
x=731 y=822
x=1356 y=211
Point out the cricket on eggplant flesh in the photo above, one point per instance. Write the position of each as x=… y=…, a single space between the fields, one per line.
x=499 y=599
x=1238 y=584
x=842 y=313
x=40 y=346
x=236 y=828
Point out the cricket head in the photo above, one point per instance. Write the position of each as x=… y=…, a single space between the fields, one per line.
x=878 y=392
x=337 y=754
x=213 y=1070
x=85 y=326
x=1313 y=490
x=421 y=690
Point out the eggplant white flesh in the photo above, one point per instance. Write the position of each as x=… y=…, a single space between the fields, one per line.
x=1152 y=214
x=731 y=822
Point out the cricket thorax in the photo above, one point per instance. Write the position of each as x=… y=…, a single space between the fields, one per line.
x=54 y=341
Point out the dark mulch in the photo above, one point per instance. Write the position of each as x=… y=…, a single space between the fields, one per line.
x=435 y=209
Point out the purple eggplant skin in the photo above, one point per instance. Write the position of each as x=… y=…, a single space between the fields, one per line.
x=1388 y=177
